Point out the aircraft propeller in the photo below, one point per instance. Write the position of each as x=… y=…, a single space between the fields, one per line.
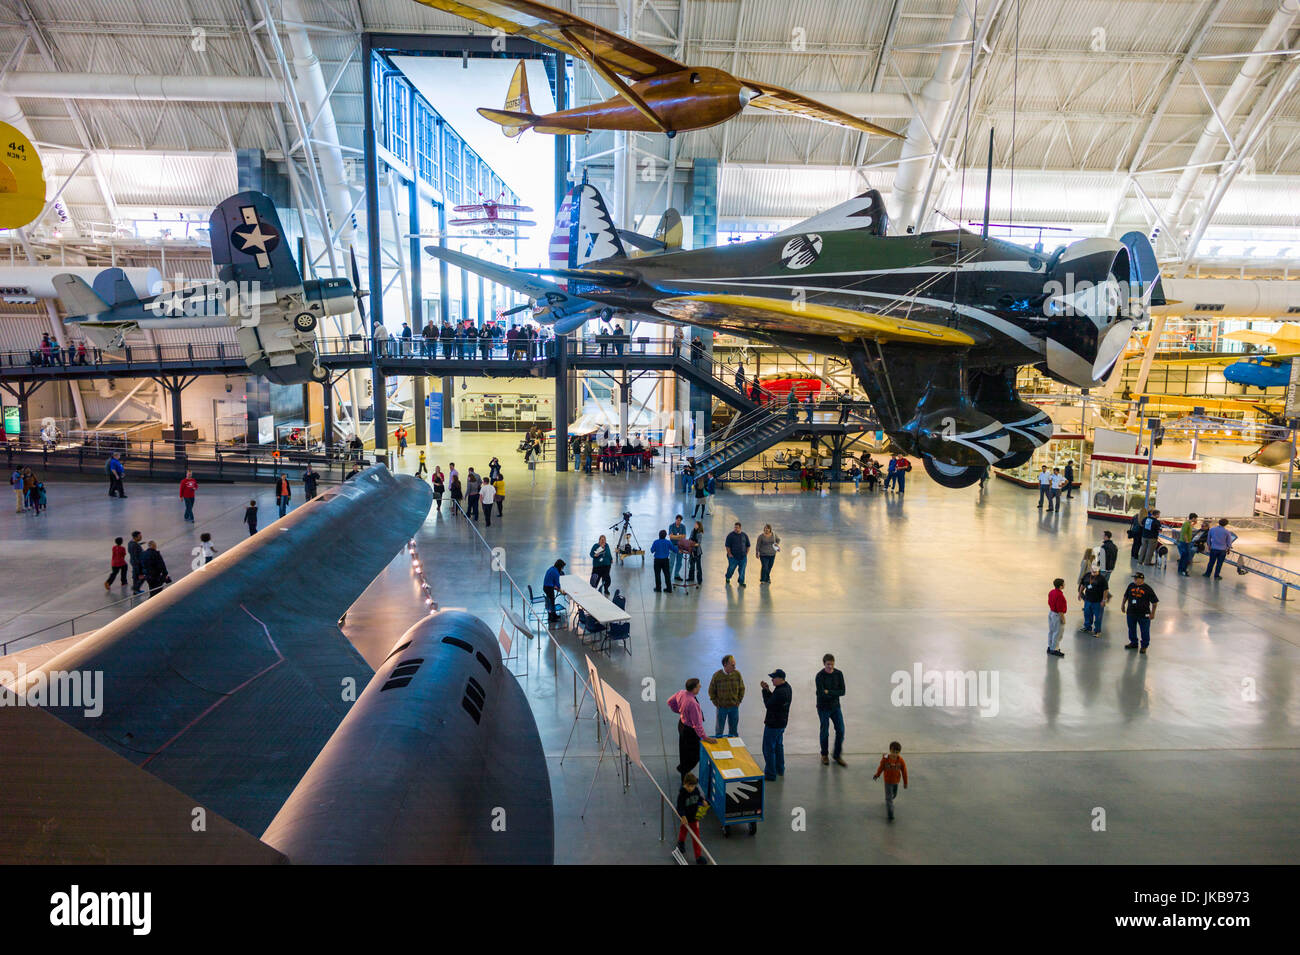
x=357 y=291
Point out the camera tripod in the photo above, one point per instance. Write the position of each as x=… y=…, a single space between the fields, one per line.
x=627 y=545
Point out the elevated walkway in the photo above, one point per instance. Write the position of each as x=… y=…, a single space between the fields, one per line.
x=25 y=371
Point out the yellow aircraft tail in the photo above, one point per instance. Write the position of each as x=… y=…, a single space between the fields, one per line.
x=517 y=113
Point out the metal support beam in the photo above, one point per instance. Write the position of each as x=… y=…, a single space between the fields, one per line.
x=327 y=412
x=22 y=390
x=421 y=416
x=561 y=402
x=374 y=262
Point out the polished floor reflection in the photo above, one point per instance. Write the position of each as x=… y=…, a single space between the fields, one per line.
x=1186 y=754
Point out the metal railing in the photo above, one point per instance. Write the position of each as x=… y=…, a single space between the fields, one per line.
x=126 y=355
x=89 y=452
x=1285 y=576
x=557 y=653
x=739 y=428
x=471 y=348
x=71 y=623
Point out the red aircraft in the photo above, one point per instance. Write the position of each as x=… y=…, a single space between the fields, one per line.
x=488 y=215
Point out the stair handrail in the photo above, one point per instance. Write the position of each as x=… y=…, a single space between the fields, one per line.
x=738 y=426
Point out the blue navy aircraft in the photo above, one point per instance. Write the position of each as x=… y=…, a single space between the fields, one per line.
x=259 y=291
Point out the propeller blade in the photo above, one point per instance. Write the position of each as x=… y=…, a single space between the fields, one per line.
x=357 y=291
x=517 y=309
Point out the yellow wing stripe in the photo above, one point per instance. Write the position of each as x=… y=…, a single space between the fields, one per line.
x=844 y=323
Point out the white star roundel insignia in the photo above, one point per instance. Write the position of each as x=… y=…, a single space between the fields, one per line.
x=255 y=238
x=801 y=251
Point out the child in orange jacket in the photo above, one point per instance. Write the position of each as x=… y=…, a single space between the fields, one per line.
x=894 y=768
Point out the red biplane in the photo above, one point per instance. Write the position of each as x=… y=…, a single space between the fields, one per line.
x=491 y=217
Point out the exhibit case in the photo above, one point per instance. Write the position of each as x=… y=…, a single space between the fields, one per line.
x=1056 y=453
x=1117 y=483
x=504 y=412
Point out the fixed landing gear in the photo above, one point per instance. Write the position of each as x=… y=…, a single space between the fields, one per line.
x=952 y=475
x=1017 y=459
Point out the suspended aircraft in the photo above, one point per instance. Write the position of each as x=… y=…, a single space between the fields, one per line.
x=259 y=291
x=487 y=216
x=1266 y=370
x=654 y=92
x=934 y=324
x=22 y=179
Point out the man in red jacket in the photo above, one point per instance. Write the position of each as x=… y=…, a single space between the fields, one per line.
x=1055 y=617
x=189 y=487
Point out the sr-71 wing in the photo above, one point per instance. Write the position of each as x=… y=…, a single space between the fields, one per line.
x=228 y=683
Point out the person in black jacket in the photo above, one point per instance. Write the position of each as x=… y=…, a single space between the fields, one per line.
x=135 y=552
x=310 y=477
x=830 y=687
x=777 y=700
x=250 y=517
x=155 y=570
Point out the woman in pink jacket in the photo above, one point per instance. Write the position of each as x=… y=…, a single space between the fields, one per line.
x=690 y=728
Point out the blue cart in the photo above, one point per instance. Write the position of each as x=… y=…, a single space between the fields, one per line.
x=732 y=782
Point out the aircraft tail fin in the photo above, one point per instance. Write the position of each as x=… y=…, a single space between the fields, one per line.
x=593 y=234
x=248 y=243
x=669 y=230
x=561 y=247
x=517 y=96
x=114 y=288
x=78 y=298
x=516 y=115
x=863 y=213
x=667 y=237
x=584 y=232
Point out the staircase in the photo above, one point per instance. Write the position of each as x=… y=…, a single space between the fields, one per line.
x=751 y=434
x=713 y=377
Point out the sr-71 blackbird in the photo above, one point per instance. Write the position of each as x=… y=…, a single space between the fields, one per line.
x=934 y=324
x=233 y=696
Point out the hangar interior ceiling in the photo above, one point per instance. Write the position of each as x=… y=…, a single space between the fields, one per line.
x=1109 y=115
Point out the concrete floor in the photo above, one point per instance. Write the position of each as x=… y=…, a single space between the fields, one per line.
x=1188 y=754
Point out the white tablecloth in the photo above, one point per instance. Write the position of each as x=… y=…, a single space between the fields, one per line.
x=592 y=600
